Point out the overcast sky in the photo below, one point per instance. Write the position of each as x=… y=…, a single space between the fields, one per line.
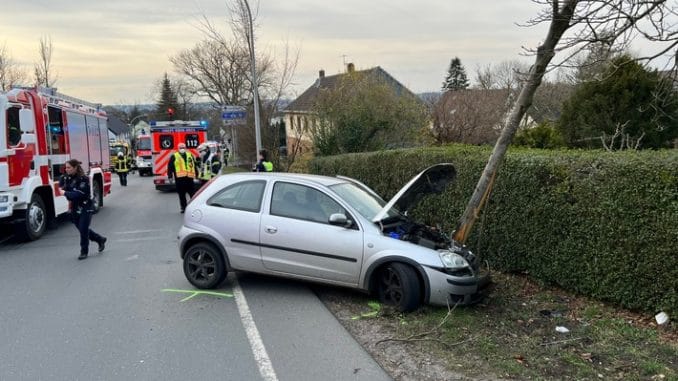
x=113 y=52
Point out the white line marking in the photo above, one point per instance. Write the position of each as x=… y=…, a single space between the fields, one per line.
x=139 y=231
x=258 y=349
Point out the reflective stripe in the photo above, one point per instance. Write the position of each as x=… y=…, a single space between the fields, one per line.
x=268 y=166
x=184 y=168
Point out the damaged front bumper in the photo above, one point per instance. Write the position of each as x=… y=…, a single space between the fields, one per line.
x=449 y=290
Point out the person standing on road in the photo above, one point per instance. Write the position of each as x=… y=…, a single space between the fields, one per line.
x=75 y=186
x=182 y=166
x=122 y=167
x=209 y=164
x=263 y=165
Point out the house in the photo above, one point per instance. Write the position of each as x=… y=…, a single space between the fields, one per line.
x=299 y=115
x=117 y=129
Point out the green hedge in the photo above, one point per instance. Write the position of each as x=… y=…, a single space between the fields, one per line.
x=601 y=224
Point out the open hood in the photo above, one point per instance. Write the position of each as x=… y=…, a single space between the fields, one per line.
x=432 y=180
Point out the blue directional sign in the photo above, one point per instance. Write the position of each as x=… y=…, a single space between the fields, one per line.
x=233 y=115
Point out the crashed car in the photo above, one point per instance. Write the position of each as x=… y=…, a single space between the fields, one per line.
x=333 y=230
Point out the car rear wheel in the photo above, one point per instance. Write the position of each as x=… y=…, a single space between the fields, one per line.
x=204 y=266
x=399 y=286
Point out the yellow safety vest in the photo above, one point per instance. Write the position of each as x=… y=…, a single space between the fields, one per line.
x=121 y=165
x=268 y=166
x=206 y=170
x=184 y=168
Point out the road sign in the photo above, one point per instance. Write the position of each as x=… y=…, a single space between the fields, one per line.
x=233 y=114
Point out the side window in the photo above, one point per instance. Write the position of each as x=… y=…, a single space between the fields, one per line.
x=242 y=196
x=302 y=202
x=13 y=128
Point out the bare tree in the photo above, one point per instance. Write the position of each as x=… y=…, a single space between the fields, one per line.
x=504 y=75
x=574 y=25
x=218 y=68
x=10 y=73
x=44 y=76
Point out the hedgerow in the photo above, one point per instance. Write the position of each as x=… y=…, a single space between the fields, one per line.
x=598 y=223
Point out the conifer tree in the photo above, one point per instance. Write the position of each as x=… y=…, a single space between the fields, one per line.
x=456 y=76
x=168 y=101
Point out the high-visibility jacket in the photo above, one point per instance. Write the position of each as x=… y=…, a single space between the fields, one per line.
x=184 y=168
x=268 y=166
x=206 y=168
x=122 y=165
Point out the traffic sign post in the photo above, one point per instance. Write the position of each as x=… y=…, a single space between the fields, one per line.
x=232 y=115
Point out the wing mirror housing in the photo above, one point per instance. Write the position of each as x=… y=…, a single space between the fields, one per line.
x=340 y=219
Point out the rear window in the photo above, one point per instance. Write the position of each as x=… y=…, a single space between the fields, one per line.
x=245 y=196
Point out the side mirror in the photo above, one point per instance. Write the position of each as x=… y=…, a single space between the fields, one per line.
x=26 y=120
x=340 y=219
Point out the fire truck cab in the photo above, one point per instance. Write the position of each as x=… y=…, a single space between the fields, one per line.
x=166 y=137
x=144 y=155
x=40 y=130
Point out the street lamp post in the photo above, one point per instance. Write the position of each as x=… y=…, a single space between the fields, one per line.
x=131 y=122
x=257 y=121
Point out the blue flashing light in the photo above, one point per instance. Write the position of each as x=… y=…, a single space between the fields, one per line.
x=203 y=123
x=152 y=123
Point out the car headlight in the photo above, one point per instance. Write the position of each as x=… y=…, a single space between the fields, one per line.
x=453 y=261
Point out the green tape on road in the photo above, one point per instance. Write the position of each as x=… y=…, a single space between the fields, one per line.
x=194 y=293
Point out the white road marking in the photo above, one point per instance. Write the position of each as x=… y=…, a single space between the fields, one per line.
x=139 y=231
x=133 y=257
x=260 y=356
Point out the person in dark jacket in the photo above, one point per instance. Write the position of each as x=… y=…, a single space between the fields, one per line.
x=75 y=186
x=122 y=167
x=183 y=167
x=263 y=165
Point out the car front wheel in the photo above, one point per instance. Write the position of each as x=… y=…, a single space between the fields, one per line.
x=204 y=266
x=399 y=286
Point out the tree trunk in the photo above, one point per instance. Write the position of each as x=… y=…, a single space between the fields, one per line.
x=560 y=22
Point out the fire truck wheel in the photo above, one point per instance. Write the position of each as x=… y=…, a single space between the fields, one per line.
x=35 y=221
x=97 y=196
x=204 y=266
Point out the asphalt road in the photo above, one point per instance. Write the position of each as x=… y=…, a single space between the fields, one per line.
x=129 y=313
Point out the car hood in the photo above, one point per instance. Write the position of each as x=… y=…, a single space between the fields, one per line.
x=432 y=180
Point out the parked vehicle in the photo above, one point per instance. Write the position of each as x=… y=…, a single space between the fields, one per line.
x=166 y=138
x=144 y=155
x=115 y=148
x=40 y=130
x=333 y=230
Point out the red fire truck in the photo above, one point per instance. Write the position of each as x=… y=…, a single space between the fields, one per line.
x=40 y=130
x=144 y=158
x=166 y=138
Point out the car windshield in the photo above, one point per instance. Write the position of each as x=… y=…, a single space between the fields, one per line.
x=144 y=144
x=365 y=203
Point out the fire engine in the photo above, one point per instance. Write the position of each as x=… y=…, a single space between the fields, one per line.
x=40 y=130
x=166 y=137
x=144 y=158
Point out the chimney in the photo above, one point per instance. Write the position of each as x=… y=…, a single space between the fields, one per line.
x=350 y=67
x=321 y=73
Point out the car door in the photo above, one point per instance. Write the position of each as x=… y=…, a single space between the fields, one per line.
x=296 y=237
x=234 y=214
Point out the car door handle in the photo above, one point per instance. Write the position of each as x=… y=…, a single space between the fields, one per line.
x=271 y=229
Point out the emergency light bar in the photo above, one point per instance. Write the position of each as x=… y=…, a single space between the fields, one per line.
x=179 y=123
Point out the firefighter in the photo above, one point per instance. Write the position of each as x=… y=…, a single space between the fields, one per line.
x=75 y=186
x=182 y=166
x=122 y=167
x=263 y=165
x=209 y=164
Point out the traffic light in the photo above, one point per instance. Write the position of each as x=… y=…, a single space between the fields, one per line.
x=170 y=113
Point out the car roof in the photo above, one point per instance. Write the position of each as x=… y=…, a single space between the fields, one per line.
x=318 y=179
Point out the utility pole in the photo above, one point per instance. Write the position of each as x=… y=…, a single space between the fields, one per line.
x=255 y=84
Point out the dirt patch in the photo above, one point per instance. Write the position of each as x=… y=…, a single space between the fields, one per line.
x=512 y=335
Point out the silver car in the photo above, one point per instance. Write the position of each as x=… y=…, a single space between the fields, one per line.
x=333 y=230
